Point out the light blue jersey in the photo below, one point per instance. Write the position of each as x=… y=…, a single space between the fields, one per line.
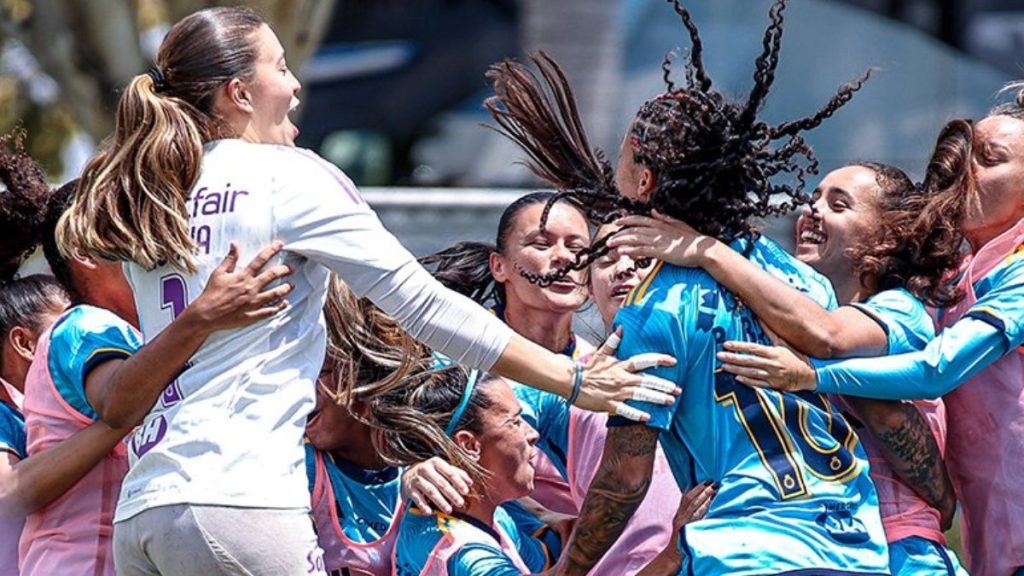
x=365 y=499
x=83 y=338
x=457 y=545
x=904 y=318
x=12 y=431
x=795 y=493
x=548 y=414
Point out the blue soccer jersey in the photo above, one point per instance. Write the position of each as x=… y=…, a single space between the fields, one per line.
x=366 y=500
x=83 y=338
x=456 y=545
x=795 y=493
x=903 y=317
x=12 y=431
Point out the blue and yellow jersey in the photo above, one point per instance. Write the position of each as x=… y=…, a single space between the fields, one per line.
x=83 y=338
x=456 y=544
x=795 y=493
x=366 y=500
x=903 y=317
x=12 y=431
x=1000 y=299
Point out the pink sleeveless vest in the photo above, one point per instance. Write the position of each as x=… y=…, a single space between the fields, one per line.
x=904 y=513
x=371 y=558
x=460 y=534
x=986 y=437
x=649 y=531
x=71 y=535
x=10 y=528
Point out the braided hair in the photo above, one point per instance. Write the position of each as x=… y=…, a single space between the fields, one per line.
x=714 y=162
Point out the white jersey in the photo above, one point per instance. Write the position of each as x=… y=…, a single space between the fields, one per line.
x=228 y=431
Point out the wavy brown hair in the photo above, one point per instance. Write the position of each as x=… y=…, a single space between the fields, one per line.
x=130 y=204
x=918 y=241
x=715 y=163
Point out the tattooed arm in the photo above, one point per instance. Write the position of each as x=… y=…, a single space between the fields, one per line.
x=615 y=493
x=910 y=448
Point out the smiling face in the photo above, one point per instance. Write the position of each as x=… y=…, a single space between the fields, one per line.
x=273 y=91
x=998 y=169
x=845 y=213
x=612 y=277
x=506 y=443
x=527 y=249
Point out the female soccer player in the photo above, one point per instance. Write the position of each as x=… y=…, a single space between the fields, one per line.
x=975 y=362
x=889 y=248
x=27 y=308
x=202 y=154
x=68 y=484
x=783 y=504
x=500 y=275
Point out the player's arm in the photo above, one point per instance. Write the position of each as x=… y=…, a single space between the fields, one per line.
x=910 y=448
x=122 y=390
x=616 y=492
x=28 y=485
x=796 y=318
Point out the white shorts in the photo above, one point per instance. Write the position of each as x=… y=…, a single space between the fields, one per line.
x=185 y=540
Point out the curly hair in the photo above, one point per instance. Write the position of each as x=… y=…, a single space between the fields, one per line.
x=918 y=239
x=24 y=205
x=714 y=163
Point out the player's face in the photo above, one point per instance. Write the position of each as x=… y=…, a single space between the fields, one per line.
x=506 y=445
x=273 y=90
x=331 y=425
x=998 y=166
x=527 y=249
x=845 y=214
x=612 y=277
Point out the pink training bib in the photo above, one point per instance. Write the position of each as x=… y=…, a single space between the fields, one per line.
x=371 y=558
x=986 y=437
x=72 y=534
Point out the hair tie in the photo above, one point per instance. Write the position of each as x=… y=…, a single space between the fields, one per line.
x=159 y=81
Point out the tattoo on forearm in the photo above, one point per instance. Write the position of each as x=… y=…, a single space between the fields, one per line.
x=909 y=448
x=614 y=495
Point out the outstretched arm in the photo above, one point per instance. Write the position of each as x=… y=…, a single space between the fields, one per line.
x=616 y=492
x=796 y=318
x=28 y=485
x=123 y=390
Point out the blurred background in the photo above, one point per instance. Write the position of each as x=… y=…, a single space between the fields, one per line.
x=392 y=89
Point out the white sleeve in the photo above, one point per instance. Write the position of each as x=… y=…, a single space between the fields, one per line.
x=319 y=214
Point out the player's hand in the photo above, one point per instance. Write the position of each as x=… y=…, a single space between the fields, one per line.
x=608 y=382
x=661 y=237
x=234 y=297
x=436 y=483
x=694 y=505
x=774 y=367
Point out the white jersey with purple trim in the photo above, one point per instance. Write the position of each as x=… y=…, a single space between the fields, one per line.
x=229 y=430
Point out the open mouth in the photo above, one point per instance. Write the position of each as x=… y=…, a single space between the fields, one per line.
x=294 y=105
x=811 y=232
x=564 y=286
x=620 y=291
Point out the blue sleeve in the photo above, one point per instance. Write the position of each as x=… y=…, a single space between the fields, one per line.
x=1003 y=305
x=85 y=338
x=960 y=351
x=646 y=329
x=12 y=433
x=481 y=560
x=538 y=545
x=906 y=322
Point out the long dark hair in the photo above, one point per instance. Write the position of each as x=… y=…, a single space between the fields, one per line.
x=918 y=242
x=714 y=162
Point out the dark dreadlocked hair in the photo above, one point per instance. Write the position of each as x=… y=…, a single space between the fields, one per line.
x=918 y=238
x=713 y=161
